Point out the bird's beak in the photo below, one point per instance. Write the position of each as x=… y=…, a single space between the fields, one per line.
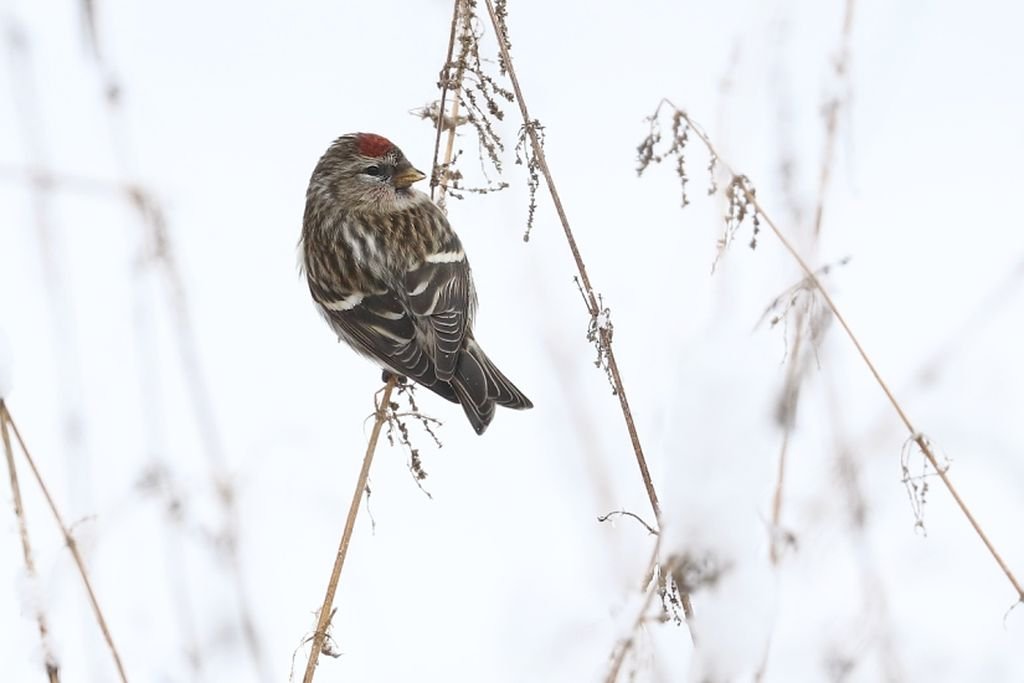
x=406 y=177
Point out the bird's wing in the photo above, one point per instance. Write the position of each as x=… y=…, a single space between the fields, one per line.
x=378 y=324
x=440 y=291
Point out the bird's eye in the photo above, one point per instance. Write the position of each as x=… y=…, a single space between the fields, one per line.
x=375 y=171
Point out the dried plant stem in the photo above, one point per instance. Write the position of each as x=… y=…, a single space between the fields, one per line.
x=69 y=540
x=589 y=295
x=439 y=177
x=918 y=437
x=52 y=670
x=832 y=117
x=323 y=621
x=792 y=379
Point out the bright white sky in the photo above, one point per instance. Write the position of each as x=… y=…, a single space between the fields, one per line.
x=505 y=575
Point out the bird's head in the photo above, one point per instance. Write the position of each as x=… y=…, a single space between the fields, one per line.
x=367 y=173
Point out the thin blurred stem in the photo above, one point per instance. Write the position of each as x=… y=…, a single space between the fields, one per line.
x=793 y=374
x=45 y=179
x=59 y=292
x=201 y=401
x=832 y=110
x=589 y=295
x=788 y=409
x=52 y=669
x=159 y=248
x=323 y=621
x=916 y=436
x=69 y=540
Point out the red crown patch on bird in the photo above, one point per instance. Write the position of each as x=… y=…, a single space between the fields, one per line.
x=371 y=145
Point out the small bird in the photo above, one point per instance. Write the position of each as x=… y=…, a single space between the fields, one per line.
x=390 y=276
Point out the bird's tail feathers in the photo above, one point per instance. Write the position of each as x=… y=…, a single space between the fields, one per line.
x=480 y=385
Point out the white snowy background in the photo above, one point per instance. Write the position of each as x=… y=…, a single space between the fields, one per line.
x=505 y=575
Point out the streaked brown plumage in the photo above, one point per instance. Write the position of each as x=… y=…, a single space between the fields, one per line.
x=391 y=278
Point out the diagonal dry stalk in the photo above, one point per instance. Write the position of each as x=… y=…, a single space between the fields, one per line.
x=591 y=299
x=326 y=610
x=52 y=669
x=916 y=436
x=69 y=540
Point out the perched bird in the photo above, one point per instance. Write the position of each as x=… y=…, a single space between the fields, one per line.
x=390 y=276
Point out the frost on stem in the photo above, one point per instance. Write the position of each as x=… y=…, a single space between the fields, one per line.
x=917 y=484
x=398 y=431
x=479 y=96
x=599 y=333
x=526 y=155
x=328 y=648
x=432 y=111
